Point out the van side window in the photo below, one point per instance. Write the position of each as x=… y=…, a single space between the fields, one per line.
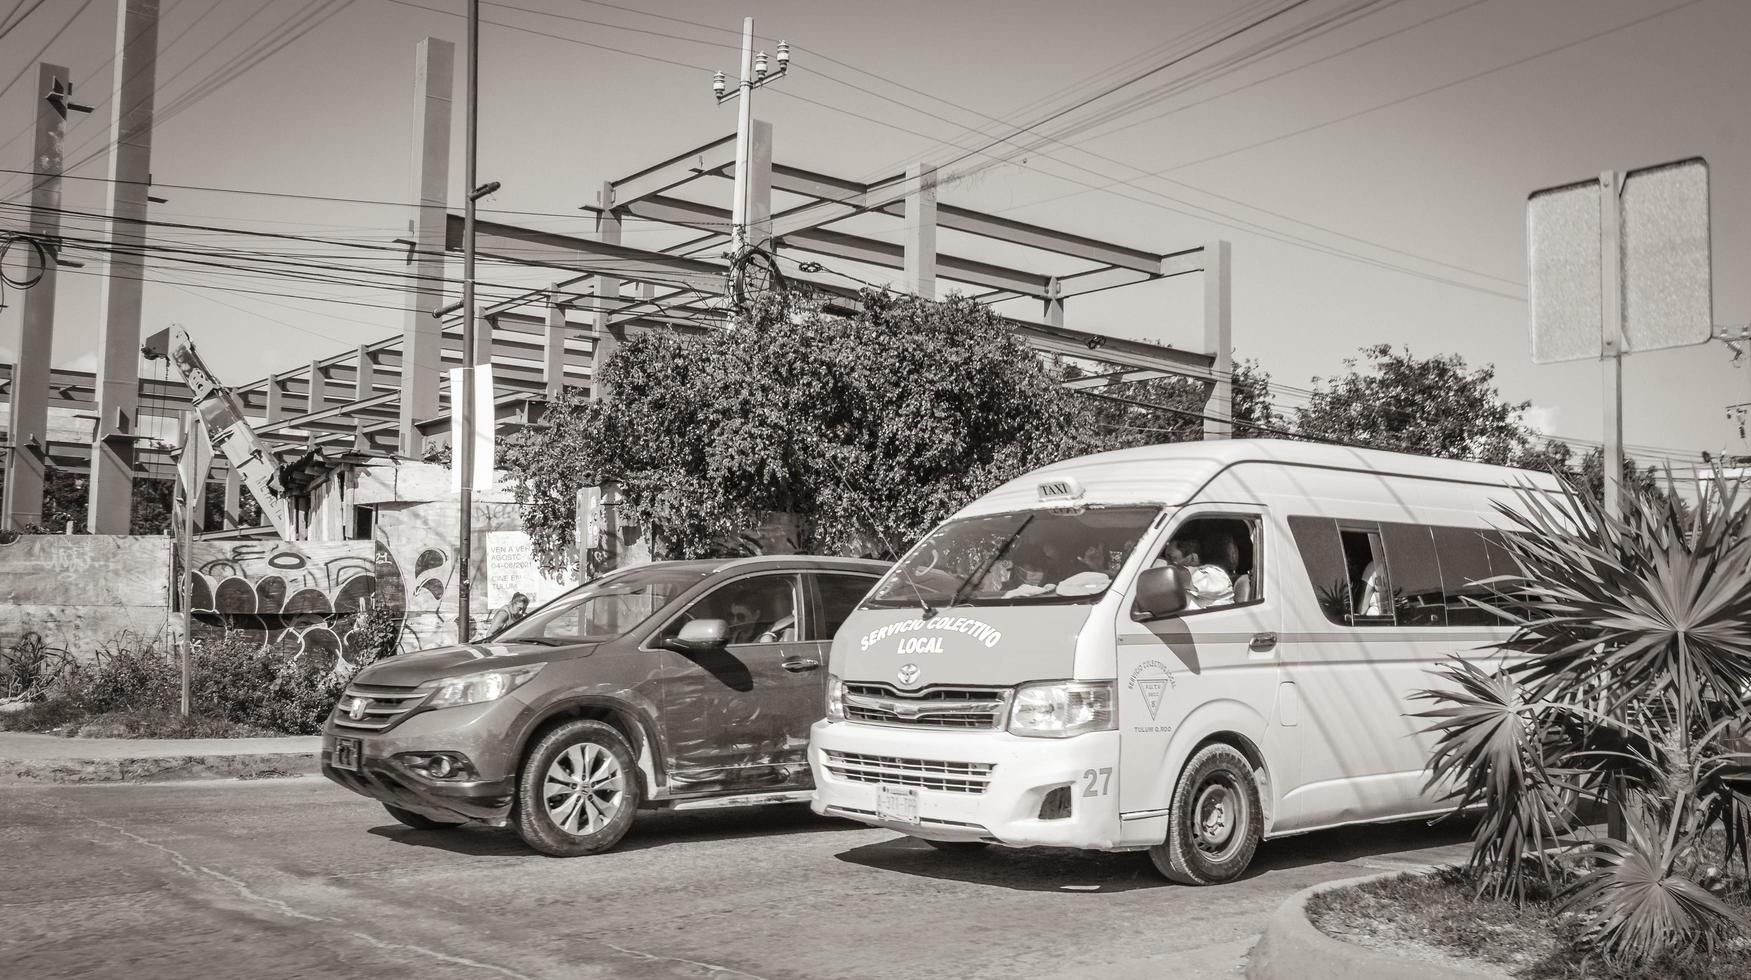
x=1221 y=561
x=1416 y=575
x=1465 y=561
x=1323 y=554
x=1366 y=571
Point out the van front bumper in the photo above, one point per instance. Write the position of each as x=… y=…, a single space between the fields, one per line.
x=1004 y=804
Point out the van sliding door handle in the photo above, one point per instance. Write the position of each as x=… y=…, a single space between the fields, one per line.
x=1263 y=642
x=798 y=666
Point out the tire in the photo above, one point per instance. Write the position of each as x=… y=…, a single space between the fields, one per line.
x=956 y=846
x=1215 y=821
x=560 y=814
x=420 y=821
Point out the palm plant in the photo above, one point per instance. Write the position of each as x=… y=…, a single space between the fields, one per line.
x=1629 y=679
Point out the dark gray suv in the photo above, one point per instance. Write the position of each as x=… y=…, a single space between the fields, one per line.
x=671 y=685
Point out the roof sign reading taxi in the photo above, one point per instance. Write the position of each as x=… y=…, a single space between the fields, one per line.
x=1060 y=488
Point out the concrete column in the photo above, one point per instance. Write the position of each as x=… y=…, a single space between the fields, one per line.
x=483 y=332
x=1219 y=341
x=760 y=184
x=919 y=238
x=608 y=334
x=553 y=351
x=1054 y=304
x=233 y=498
x=318 y=389
x=364 y=375
x=27 y=462
x=276 y=399
x=118 y=342
x=422 y=337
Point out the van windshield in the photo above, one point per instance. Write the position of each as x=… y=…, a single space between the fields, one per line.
x=604 y=609
x=1023 y=557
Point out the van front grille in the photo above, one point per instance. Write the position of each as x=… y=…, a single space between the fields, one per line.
x=976 y=708
x=949 y=777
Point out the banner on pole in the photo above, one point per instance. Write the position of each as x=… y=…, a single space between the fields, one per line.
x=194 y=461
x=484 y=424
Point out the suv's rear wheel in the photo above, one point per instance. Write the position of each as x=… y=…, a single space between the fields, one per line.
x=1215 y=821
x=577 y=791
x=420 y=821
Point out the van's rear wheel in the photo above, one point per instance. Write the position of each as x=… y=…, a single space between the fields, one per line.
x=577 y=791
x=1215 y=821
x=420 y=821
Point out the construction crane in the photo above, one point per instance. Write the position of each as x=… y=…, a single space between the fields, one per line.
x=222 y=413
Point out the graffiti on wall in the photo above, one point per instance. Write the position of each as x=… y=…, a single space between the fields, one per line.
x=310 y=599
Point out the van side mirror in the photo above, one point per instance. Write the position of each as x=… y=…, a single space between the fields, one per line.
x=700 y=635
x=1159 y=593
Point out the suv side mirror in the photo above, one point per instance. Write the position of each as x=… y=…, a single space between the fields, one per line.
x=700 y=635
x=1159 y=593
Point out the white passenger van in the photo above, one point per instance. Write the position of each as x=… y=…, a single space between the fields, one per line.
x=1182 y=648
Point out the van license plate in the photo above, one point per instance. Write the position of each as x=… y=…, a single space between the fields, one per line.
x=346 y=754
x=897 y=803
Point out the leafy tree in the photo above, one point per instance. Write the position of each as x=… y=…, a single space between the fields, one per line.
x=1433 y=406
x=1139 y=413
x=868 y=429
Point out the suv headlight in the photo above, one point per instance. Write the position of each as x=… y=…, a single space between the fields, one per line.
x=487 y=685
x=1061 y=709
x=835 y=698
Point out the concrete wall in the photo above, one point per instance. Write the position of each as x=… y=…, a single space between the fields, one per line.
x=303 y=598
x=84 y=590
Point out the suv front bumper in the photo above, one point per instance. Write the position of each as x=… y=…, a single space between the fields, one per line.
x=481 y=732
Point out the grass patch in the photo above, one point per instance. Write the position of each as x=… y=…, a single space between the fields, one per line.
x=1431 y=916
x=59 y=716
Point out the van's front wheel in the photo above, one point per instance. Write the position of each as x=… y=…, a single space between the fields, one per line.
x=577 y=791
x=1215 y=822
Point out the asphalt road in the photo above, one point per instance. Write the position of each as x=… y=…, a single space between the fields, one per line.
x=297 y=878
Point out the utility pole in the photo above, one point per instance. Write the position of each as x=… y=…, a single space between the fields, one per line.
x=755 y=73
x=27 y=460
x=463 y=455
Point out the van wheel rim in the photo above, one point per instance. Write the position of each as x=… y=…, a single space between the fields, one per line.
x=1218 y=817
x=584 y=789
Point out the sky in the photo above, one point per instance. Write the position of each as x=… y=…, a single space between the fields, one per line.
x=1371 y=171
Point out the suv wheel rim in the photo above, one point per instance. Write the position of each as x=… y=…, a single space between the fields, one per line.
x=584 y=789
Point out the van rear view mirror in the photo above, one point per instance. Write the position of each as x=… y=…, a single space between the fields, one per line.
x=1159 y=593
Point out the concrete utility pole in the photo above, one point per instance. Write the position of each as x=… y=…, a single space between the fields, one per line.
x=26 y=463
x=422 y=335
x=471 y=356
x=755 y=72
x=118 y=358
x=1219 y=341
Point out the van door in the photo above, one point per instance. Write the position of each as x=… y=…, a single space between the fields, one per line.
x=1216 y=664
x=730 y=715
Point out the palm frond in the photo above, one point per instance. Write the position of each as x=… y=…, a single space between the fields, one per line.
x=1637 y=907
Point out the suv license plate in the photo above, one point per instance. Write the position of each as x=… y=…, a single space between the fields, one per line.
x=346 y=754
x=897 y=803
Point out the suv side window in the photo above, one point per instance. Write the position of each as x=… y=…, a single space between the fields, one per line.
x=759 y=609
x=840 y=594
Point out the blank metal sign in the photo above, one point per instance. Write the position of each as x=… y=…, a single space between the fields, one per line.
x=1664 y=254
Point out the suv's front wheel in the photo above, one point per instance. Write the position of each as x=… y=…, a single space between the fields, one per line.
x=577 y=790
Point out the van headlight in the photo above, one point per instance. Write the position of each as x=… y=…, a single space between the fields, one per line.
x=1061 y=709
x=835 y=699
x=487 y=685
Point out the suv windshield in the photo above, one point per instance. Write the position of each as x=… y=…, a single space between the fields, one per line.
x=1037 y=556
x=603 y=609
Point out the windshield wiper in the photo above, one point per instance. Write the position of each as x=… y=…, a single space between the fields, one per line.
x=955 y=598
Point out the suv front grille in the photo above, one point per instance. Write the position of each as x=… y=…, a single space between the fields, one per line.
x=949 y=777
x=382 y=709
x=978 y=708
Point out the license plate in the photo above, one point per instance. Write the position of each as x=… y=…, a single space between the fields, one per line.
x=346 y=754
x=897 y=803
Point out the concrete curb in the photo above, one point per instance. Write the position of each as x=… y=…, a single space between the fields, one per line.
x=159 y=768
x=1293 y=948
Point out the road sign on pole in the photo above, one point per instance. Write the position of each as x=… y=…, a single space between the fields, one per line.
x=1620 y=264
